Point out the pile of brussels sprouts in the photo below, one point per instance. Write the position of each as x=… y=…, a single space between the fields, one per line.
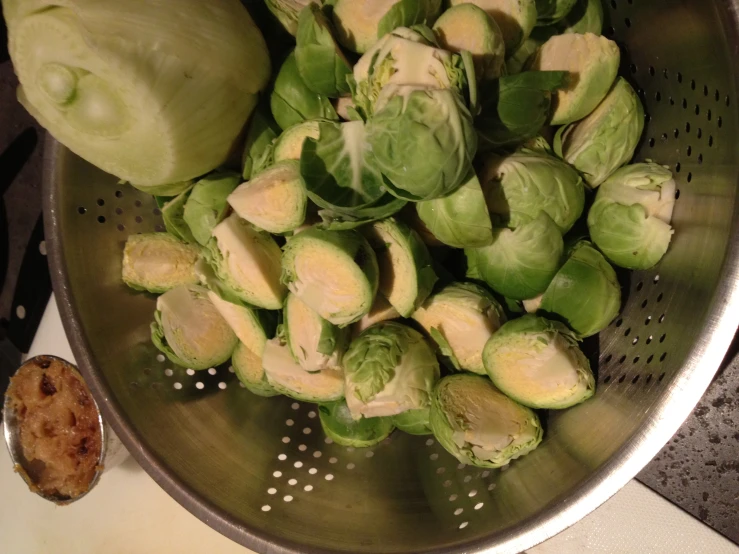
x=402 y=205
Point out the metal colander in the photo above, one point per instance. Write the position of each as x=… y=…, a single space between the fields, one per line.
x=260 y=470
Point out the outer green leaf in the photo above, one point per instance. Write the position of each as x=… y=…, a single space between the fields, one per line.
x=409 y=12
x=206 y=206
x=516 y=18
x=552 y=11
x=343 y=219
x=585 y=17
x=461 y=219
x=173 y=216
x=413 y=422
x=258 y=144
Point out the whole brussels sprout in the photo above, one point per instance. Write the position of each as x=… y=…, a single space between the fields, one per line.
x=630 y=218
x=189 y=330
x=585 y=17
x=552 y=11
x=516 y=18
x=389 y=368
x=538 y=363
x=479 y=425
x=521 y=185
x=606 y=139
x=592 y=62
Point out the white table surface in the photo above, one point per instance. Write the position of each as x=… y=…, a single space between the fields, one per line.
x=127 y=513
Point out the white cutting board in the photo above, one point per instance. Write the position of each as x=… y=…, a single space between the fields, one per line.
x=127 y=513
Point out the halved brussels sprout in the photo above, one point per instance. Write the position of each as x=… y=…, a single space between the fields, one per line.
x=288 y=378
x=438 y=159
x=247 y=364
x=389 y=368
x=289 y=145
x=173 y=212
x=461 y=318
x=585 y=292
x=321 y=63
x=522 y=262
x=359 y=23
x=403 y=57
x=247 y=262
x=288 y=11
x=479 y=425
x=189 y=330
x=552 y=11
x=206 y=206
x=413 y=422
x=607 y=138
x=538 y=363
x=262 y=131
x=251 y=327
x=460 y=219
x=592 y=62
x=516 y=18
x=339 y=426
x=314 y=342
x=292 y=101
x=157 y=262
x=406 y=275
x=521 y=185
x=275 y=200
x=381 y=310
x=468 y=27
x=516 y=107
x=630 y=219
x=585 y=17
x=338 y=168
x=333 y=272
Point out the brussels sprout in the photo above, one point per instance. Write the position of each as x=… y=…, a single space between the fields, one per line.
x=275 y=200
x=585 y=17
x=189 y=330
x=516 y=107
x=406 y=275
x=381 y=310
x=522 y=262
x=251 y=327
x=338 y=169
x=333 y=272
x=413 y=422
x=247 y=262
x=438 y=159
x=289 y=145
x=339 y=426
x=345 y=108
x=288 y=11
x=479 y=425
x=206 y=206
x=173 y=213
x=461 y=219
x=538 y=144
x=389 y=368
x=538 y=363
x=359 y=23
x=516 y=18
x=630 y=219
x=247 y=364
x=403 y=57
x=314 y=342
x=584 y=293
x=260 y=134
x=292 y=101
x=321 y=63
x=607 y=138
x=468 y=27
x=461 y=318
x=552 y=11
x=157 y=262
x=592 y=62
x=519 y=186
x=288 y=378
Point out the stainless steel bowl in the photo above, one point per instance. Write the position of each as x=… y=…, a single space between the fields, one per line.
x=259 y=470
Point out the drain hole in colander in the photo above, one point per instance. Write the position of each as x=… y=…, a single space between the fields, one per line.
x=622 y=378
x=121 y=227
x=101 y=219
x=649 y=360
x=635 y=380
x=662 y=376
x=119 y=194
x=82 y=210
x=607 y=379
x=635 y=360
